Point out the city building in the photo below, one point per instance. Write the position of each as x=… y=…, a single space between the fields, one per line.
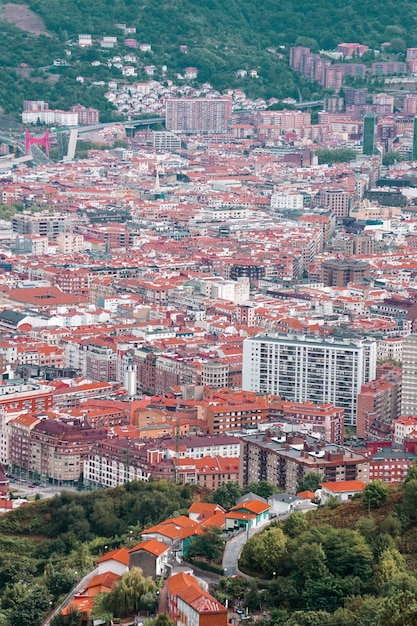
x=58 y=450
x=414 y=153
x=198 y=115
x=284 y=460
x=369 y=134
x=301 y=368
x=85 y=115
x=339 y=273
x=379 y=404
x=409 y=376
x=45 y=223
x=325 y=420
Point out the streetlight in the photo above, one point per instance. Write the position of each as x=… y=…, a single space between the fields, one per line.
x=274 y=574
x=225 y=572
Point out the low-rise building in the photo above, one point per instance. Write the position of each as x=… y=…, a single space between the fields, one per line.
x=285 y=460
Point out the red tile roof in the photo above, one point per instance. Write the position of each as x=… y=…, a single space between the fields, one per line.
x=153 y=546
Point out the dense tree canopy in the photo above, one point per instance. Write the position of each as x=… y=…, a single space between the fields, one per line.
x=222 y=35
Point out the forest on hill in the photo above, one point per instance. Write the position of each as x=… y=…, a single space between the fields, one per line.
x=222 y=37
x=350 y=564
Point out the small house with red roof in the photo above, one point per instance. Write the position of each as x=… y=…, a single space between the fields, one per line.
x=173 y=530
x=102 y=583
x=344 y=490
x=115 y=561
x=247 y=515
x=151 y=556
x=202 y=511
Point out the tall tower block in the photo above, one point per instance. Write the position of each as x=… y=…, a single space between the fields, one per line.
x=414 y=155
x=369 y=130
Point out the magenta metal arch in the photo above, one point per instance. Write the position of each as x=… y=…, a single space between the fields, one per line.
x=43 y=141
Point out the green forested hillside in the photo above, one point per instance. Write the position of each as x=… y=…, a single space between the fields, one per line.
x=222 y=35
x=237 y=22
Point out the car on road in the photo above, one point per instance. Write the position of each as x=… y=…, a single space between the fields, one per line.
x=31 y=486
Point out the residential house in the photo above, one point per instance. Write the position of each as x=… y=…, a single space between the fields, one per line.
x=114 y=562
x=247 y=515
x=343 y=490
x=151 y=556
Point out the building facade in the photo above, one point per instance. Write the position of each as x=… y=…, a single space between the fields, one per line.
x=301 y=368
x=198 y=115
x=285 y=460
x=409 y=376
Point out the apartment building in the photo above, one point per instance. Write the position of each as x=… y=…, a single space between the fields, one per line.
x=44 y=223
x=302 y=368
x=58 y=450
x=284 y=460
x=85 y=115
x=379 y=404
x=101 y=361
x=409 y=376
x=198 y=115
x=338 y=273
x=325 y=420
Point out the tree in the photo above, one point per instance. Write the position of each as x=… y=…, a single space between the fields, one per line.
x=374 y=494
x=310 y=482
x=210 y=545
x=391 y=563
x=295 y=524
x=264 y=489
x=225 y=495
x=130 y=594
x=231 y=588
x=160 y=620
x=409 y=503
x=398 y=610
x=72 y=619
x=99 y=610
x=263 y=553
x=310 y=561
x=412 y=473
x=252 y=599
x=390 y=158
x=33 y=605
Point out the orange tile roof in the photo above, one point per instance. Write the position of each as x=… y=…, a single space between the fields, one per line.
x=120 y=554
x=153 y=546
x=204 y=509
x=180 y=581
x=306 y=495
x=83 y=604
x=108 y=579
x=239 y=515
x=343 y=486
x=253 y=506
x=200 y=600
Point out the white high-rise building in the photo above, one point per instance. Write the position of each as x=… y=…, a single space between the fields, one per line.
x=409 y=376
x=301 y=368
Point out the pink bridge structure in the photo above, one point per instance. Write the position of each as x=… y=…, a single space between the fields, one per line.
x=43 y=141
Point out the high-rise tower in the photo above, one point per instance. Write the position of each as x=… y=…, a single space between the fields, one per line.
x=369 y=131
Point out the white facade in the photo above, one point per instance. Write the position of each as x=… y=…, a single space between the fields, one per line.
x=113 y=566
x=301 y=368
x=409 y=377
x=106 y=473
x=286 y=200
x=59 y=118
x=403 y=428
x=70 y=243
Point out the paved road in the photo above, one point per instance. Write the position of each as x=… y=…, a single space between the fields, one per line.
x=235 y=546
x=74 y=591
